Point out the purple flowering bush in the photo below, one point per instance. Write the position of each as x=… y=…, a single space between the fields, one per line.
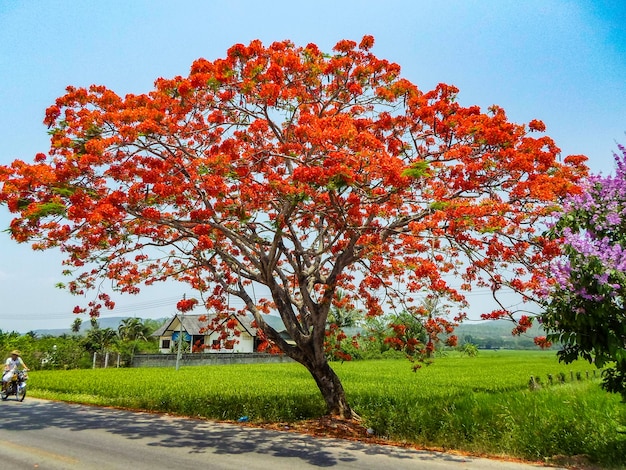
x=586 y=308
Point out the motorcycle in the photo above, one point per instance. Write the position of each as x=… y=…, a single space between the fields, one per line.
x=16 y=386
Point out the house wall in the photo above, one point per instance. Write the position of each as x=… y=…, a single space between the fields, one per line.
x=169 y=360
x=242 y=344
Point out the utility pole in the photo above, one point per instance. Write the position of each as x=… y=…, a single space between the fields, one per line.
x=179 y=354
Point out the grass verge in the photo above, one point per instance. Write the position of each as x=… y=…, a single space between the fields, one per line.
x=481 y=405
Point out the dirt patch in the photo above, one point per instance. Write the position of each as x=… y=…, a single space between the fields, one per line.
x=333 y=427
x=327 y=426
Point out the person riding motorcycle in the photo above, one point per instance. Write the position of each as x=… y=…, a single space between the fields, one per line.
x=13 y=363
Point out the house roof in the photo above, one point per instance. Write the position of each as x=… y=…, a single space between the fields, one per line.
x=193 y=325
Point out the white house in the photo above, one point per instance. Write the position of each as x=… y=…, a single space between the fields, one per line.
x=195 y=332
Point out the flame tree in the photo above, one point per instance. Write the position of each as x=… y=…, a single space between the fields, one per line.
x=302 y=172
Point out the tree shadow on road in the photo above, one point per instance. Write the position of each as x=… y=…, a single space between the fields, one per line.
x=201 y=436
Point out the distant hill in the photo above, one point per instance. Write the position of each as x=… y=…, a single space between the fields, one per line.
x=110 y=322
x=496 y=334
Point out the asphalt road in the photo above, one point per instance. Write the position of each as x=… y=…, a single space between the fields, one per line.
x=40 y=434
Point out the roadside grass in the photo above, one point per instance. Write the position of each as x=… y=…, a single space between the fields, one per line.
x=482 y=405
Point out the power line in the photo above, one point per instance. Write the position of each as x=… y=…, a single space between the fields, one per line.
x=151 y=304
x=167 y=302
x=155 y=304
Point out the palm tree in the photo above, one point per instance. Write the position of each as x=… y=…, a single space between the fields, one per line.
x=342 y=314
x=76 y=324
x=133 y=329
x=100 y=339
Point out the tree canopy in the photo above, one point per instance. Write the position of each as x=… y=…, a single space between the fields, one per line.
x=585 y=309
x=300 y=174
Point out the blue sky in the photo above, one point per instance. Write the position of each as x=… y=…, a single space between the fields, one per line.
x=563 y=62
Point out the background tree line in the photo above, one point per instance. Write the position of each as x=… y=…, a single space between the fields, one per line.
x=76 y=349
x=352 y=335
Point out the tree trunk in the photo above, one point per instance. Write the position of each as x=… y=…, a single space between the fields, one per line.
x=308 y=351
x=332 y=391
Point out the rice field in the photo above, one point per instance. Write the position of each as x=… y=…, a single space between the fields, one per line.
x=481 y=405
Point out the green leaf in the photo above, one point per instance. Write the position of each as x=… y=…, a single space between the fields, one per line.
x=417 y=170
x=48 y=209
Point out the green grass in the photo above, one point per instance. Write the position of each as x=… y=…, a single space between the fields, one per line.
x=481 y=405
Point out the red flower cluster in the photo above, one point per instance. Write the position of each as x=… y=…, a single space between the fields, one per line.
x=186 y=305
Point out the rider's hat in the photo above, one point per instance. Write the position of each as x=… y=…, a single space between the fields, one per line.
x=15 y=352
